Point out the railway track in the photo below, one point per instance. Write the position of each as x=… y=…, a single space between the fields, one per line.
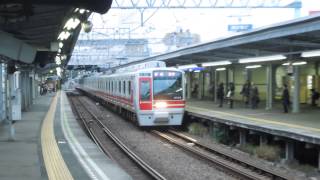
x=81 y=109
x=238 y=166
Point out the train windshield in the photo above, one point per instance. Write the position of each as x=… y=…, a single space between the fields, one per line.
x=167 y=85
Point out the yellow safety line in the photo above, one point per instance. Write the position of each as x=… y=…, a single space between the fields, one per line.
x=54 y=162
x=256 y=119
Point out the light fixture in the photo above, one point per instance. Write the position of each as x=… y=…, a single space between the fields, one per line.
x=64 y=35
x=72 y=23
x=81 y=11
x=253 y=66
x=60 y=44
x=196 y=71
x=217 y=63
x=58 y=60
x=58 y=71
x=310 y=53
x=187 y=66
x=298 y=63
x=59 y=50
x=262 y=59
x=51 y=71
x=221 y=69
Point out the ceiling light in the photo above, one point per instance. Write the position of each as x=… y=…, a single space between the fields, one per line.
x=217 y=63
x=58 y=60
x=196 y=71
x=64 y=35
x=262 y=59
x=60 y=44
x=81 y=11
x=220 y=69
x=253 y=66
x=310 y=53
x=58 y=71
x=295 y=63
x=59 y=50
x=76 y=10
x=187 y=66
x=72 y=23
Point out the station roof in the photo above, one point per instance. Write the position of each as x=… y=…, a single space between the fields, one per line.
x=288 y=38
x=32 y=26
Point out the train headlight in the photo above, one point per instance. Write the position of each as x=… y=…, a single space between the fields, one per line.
x=161 y=105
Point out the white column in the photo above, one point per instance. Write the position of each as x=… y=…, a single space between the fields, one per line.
x=269 y=95
x=216 y=77
x=296 y=90
x=201 y=85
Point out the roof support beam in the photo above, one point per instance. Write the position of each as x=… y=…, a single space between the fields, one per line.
x=16 y=49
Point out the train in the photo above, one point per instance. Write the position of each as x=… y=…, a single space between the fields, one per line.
x=150 y=93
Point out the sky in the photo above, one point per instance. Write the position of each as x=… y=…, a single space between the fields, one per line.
x=209 y=24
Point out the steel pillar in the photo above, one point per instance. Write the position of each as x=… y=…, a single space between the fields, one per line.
x=296 y=90
x=319 y=159
x=216 y=77
x=188 y=87
x=289 y=151
x=242 y=137
x=201 y=85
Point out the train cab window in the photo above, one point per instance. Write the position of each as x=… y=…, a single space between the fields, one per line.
x=145 y=90
x=129 y=87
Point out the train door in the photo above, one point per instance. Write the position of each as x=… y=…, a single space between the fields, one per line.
x=145 y=93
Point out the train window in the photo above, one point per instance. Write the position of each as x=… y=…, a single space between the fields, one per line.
x=124 y=87
x=145 y=90
x=119 y=87
x=129 y=87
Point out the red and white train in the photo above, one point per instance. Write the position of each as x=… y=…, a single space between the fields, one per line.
x=153 y=93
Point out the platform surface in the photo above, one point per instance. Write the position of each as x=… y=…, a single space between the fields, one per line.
x=49 y=138
x=20 y=159
x=303 y=126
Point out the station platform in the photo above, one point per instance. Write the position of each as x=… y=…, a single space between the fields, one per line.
x=303 y=126
x=50 y=144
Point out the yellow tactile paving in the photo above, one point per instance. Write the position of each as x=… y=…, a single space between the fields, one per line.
x=54 y=162
x=195 y=109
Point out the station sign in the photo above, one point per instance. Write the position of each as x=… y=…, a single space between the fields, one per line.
x=239 y=27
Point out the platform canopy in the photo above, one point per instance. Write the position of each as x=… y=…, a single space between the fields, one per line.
x=288 y=38
x=29 y=29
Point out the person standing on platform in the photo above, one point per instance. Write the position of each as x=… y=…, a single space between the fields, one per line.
x=285 y=98
x=220 y=94
x=254 y=96
x=245 y=92
x=230 y=94
x=314 y=97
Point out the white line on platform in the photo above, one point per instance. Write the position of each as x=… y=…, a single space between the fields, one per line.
x=89 y=165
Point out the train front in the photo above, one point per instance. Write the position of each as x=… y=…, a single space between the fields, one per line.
x=162 y=98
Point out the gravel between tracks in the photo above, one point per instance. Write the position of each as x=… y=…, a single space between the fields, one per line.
x=169 y=160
